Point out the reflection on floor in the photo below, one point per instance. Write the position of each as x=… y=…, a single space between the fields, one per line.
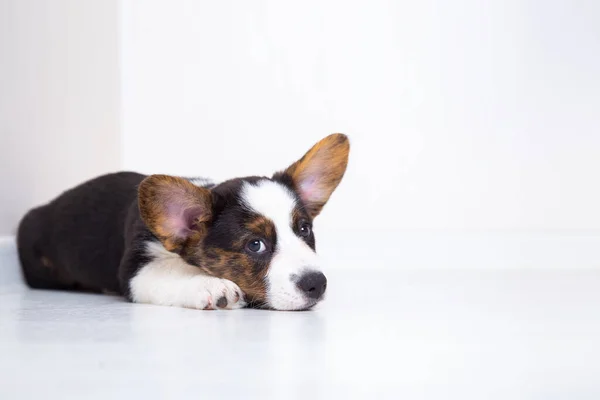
x=462 y=334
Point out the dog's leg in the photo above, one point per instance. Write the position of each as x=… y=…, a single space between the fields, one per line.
x=168 y=280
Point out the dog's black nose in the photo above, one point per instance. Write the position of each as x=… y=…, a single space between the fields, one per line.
x=313 y=284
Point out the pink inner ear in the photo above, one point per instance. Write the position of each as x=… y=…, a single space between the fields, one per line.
x=181 y=219
x=309 y=189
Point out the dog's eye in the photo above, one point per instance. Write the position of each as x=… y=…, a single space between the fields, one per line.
x=256 y=246
x=304 y=229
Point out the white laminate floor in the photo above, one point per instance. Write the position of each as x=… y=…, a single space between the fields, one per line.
x=495 y=334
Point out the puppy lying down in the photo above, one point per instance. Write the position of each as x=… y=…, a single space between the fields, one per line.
x=182 y=242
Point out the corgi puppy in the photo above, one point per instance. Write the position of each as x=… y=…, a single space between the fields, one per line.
x=187 y=242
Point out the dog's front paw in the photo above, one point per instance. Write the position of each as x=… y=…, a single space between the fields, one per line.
x=210 y=293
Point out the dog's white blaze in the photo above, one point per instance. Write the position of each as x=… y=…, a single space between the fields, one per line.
x=292 y=255
x=168 y=280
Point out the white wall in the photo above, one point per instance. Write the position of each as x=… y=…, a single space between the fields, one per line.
x=59 y=99
x=464 y=115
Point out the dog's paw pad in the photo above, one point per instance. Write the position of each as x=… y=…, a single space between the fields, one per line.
x=212 y=293
x=209 y=303
x=222 y=302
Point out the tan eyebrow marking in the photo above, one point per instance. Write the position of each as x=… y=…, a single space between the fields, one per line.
x=261 y=226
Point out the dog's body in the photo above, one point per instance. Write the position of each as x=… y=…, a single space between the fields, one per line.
x=186 y=242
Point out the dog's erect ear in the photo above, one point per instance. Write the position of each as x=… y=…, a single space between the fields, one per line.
x=174 y=209
x=316 y=175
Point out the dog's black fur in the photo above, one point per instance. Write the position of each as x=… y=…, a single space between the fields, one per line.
x=77 y=241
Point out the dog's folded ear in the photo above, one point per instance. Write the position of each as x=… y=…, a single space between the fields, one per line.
x=174 y=209
x=316 y=175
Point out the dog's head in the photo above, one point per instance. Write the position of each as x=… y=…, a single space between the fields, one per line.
x=254 y=231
